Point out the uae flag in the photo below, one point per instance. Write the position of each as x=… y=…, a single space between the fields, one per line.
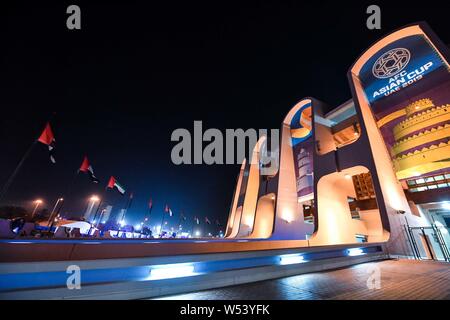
x=207 y=220
x=182 y=216
x=150 y=204
x=114 y=184
x=196 y=219
x=48 y=139
x=168 y=210
x=87 y=168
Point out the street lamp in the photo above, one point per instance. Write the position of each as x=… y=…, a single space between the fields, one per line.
x=91 y=204
x=100 y=218
x=38 y=202
x=53 y=211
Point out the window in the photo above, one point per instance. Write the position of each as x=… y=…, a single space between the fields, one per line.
x=361 y=238
x=429 y=183
x=447 y=221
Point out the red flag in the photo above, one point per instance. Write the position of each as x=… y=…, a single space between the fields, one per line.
x=84 y=165
x=111 y=182
x=168 y=210
x=47 y=136
x=150 y=203
x=114 y=184
x=48 y=139
x=87 y=168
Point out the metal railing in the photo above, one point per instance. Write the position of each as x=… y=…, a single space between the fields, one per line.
x=431 y=249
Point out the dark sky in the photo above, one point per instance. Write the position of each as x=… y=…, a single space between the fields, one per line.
x=136 y=71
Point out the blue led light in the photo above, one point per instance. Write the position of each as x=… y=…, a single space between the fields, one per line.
x=355 y=252
x=170 y=271
x=291 y=259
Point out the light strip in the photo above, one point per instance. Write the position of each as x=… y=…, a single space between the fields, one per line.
x=20 y=242
x=355 y=252
x=291 y=259
x=170 y=271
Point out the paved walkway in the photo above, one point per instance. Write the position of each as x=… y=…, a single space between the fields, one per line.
x=400 y=279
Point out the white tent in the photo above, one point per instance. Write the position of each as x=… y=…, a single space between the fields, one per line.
x=82 y=225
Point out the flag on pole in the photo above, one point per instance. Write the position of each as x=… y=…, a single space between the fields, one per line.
x=196 y=219
x=207 y=220
x=87 y=168
x=114 y=184
x=150 y=204
x=168 y=210
x=48 y=139
x=218 y=223
x=182 y=216
x=130 y=200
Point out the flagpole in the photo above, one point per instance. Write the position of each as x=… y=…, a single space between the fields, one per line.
x=16 y=170
x=149 y=213
x=19 y=165
x=192 y=227
x=127 y=206
x=122 y=218
x=194 y=222
x=179 y=221
x=162 y=221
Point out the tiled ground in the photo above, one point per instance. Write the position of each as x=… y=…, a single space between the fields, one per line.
x=400 y=279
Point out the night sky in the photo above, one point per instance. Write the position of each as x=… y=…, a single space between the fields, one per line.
x=136 y=71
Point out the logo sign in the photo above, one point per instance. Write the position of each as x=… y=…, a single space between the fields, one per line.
x=391 y=63
x=398 y=66
x=406 y=84
x=303 y=149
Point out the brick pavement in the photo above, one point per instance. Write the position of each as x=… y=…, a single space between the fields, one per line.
x=400 y=279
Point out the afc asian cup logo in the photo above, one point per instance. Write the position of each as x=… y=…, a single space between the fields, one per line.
x=391 y=63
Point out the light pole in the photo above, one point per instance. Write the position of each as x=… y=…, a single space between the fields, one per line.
x=97 y=223
x=38 y=202
x=94 y=199
x=50 y=219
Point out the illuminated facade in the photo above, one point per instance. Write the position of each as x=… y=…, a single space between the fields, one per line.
x=422 y=140
x=376 y=169
x=366 y=181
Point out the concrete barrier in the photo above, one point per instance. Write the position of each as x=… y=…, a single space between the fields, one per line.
x=130 y=278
